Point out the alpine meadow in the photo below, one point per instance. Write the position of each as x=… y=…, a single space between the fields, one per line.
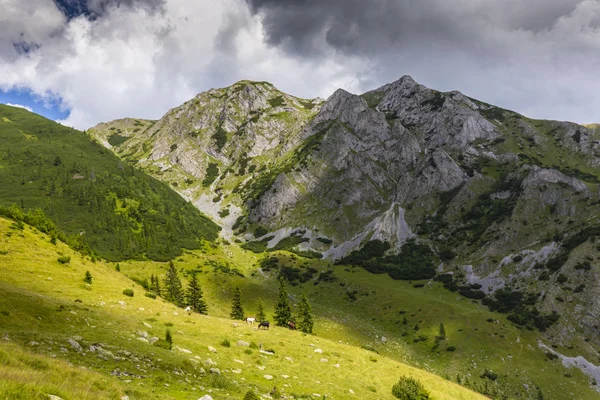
x=259 y=199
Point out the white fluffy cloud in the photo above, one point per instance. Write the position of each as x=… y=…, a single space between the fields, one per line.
x=136 y=61
x=20 y=106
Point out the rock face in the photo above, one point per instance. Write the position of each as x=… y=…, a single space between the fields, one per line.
x=478 y=185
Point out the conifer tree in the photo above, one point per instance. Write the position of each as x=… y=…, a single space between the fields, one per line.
x=173 y=287
x=237 y=311
x=88 y=277
x=155 y=284
x=442 y=333
x=169 y=339
x=194 y=297
x=306 y=322
x=283 y=311
x=260 y=313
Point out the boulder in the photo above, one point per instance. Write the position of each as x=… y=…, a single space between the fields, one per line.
x=76 y=346
x=243 y=343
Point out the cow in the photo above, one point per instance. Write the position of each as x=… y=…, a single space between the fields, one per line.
x=291 y=325
x=264 y=324
x=250 y=320
x=188 y=310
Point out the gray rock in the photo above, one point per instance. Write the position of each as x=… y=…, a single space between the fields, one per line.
x=74 y=345
x=243 y=343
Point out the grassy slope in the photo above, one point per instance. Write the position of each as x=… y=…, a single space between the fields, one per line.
x=501 y=347
x=82 y=187
x=39 y=297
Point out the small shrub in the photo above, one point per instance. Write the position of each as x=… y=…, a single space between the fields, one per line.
x=118 y=267
x=579 y=288
x=5 y=313
x=250 y=395
x=419 y=285
x=88 y=277
x=3 y=252
x=64 y=259
x=562 y=278
x=451 y=348
x=151 y=295
x=128 y=292
x=408 y=388
x=226 y=343
x=489 y=374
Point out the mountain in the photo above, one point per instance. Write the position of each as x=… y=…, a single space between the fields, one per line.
x=403 y=180
x=59 y=180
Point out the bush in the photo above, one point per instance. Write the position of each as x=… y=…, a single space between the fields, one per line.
x=250 y=395
x=489 y=374
x=408 y=388
x=128 y=292
x=64 y=259
x=226 y=343
x=88 y=277
x=451 y=348
x=151 y=295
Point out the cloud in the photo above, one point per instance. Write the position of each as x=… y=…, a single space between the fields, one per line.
x=20 y=106
x=539 y=57
x=107 y=59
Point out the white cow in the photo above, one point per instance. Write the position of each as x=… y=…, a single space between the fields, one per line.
x=188 y=310
x=250 y=320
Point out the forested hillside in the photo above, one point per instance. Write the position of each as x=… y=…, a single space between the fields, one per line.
x=103 y=206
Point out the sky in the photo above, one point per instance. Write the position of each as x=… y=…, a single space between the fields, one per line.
x=82 y=62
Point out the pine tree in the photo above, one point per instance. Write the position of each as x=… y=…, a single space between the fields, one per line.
x=173 y=287
x=442 y=333
x=155 y=284
x=88 y=277
x=237 y=311
x=283 y=311
x=169 y=339
x=306 y=322
x=194 y=297
x=260 y=314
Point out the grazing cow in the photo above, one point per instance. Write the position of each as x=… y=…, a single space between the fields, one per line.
x=291 y=325
x=264 y=324
x=188 y=310
x=250 y=320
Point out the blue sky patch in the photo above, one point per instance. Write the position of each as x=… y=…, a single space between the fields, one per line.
x=49 y=109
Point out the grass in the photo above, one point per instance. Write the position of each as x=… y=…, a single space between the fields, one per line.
x=40 y=296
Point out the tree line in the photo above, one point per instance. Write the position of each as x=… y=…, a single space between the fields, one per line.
x=172 y=290
x=283 y=310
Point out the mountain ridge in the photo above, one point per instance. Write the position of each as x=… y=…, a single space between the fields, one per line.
x=490 y=197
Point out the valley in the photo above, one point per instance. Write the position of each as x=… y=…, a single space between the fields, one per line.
x=434 y=236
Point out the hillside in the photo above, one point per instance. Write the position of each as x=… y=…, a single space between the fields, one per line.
x=61 y=335
x=97 y=203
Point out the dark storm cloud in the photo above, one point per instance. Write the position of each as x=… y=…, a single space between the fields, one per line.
x=363 y=27
x=95 y=8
